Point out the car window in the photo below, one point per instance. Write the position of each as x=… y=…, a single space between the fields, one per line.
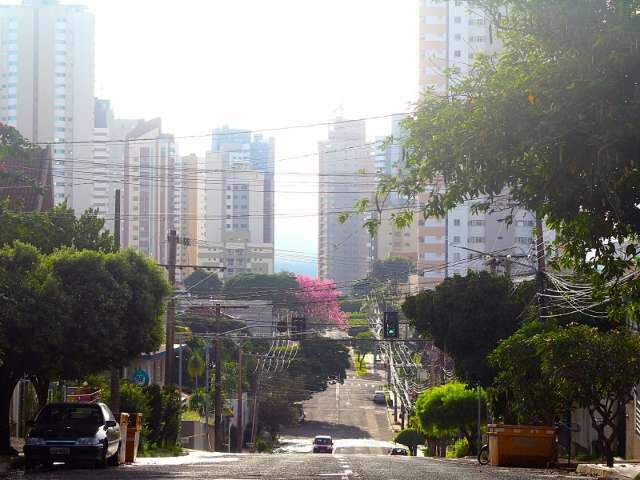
x=74 y=414
x=107 y=413
x=322 y=441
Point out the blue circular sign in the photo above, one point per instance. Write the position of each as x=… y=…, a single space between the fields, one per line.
x=141 y=378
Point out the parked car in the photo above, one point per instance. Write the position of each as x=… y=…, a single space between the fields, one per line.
x=323 y=444
x=68 y=432
x=378 y=397
x=398 y=451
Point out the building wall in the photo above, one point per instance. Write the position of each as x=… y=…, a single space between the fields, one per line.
x=238 y=203
x=47 y=72
x=186 y=200
x=149 y=205
x=343 y=248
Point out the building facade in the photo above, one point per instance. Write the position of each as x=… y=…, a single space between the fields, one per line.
x=186 y=206
x=148 y=205
x=238 y=181
x=346 y=174
x=451 y=33
x=47 y=85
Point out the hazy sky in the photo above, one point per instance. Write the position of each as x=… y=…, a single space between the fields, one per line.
x=257 y=64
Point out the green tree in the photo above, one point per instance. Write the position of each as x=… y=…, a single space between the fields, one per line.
x=520 y=393
x=318 y=359
x=410 y=437
x=202 y=282
x=364 y=344
x=597 y=371
x=31 y=326
x=467 y=316
x=393 y=270
x=552 y=120
x=450 y=409
x=195 y=366
x=280 y=288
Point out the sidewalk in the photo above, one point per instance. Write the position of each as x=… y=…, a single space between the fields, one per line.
x=620 y=470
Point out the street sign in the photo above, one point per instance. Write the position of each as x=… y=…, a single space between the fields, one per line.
x=141 y=378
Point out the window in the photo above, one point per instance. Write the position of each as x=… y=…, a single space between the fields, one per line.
x=524 y=240
x=476 y=39
x=457 y=20
x=476 y=239
x=476 y=223
x=457 y=53
x=458 y=3
x=476 y=22
x=456 y=239
x=456 y=222
x=456 y=256
x=458 y=36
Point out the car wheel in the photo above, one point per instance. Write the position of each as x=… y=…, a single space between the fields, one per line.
x=114 y=459
x=102 y=462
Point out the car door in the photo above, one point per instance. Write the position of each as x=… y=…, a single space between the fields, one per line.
x=113 y=431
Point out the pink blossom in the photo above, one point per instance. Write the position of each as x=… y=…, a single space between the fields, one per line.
x=319 y=301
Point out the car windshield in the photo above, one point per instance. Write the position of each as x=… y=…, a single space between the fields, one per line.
x=71 y=414
x=322 y=441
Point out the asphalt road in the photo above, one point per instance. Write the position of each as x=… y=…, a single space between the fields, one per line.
x=347 y=413
x=298 y=466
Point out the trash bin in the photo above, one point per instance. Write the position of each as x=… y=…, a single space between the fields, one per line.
x=521 y=445
x=123 y=420
x=133 y=436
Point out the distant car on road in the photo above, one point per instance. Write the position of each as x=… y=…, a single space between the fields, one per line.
x=66 y=432
x=399 y=451
x=378 y=397
x=332 y=380
x=323 y=444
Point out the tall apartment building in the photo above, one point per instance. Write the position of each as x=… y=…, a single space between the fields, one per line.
x=238 y=200
x=186 y=206
x=107 y=169
x=148 y=206
x=344 y=248
x=451 y=34
x=391 y=241
x=46 y=85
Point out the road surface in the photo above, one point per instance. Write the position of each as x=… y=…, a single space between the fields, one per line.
x=296 y=467
x=347 y=413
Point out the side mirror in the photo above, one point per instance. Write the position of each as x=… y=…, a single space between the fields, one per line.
x=110 y=423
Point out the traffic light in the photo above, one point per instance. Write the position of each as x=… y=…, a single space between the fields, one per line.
x=282 y=325
x=391 y=325
x=298 y=325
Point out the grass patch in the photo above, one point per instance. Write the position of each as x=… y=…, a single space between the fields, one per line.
x=361 y=370
x=154 y=451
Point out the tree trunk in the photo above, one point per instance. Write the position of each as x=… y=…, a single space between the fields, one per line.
x=115 y=390
x=41 y=386
x=7 y=384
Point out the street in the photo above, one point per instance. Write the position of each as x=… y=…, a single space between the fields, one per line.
x=361 y=433
x=297 y=466
x=347 y=413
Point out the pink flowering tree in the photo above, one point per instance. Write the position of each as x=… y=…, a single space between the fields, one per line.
x=319 y=301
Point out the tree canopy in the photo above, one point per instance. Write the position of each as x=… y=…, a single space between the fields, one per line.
x=467 y=316
x=549 y=125
x=450 y=409
x=280 y=288
x=317 y=300
x=201 y=282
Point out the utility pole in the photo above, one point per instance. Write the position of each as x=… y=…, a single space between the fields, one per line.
x=239 y=429
x=168 y=364
x=115 y=372
x=217 y=426
x=206 y=394
x=542 y=266
x=256 y=406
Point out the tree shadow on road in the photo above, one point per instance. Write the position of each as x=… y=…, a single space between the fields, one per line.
x=337 y=431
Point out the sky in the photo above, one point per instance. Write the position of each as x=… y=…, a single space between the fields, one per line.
x=259 y=64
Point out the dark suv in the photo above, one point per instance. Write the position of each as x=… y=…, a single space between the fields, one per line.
x=65 y=432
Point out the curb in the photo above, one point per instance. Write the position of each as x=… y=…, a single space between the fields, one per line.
x=599 y=471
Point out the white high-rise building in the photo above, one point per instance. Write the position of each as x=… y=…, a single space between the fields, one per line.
x=47 y=84
x=238 y=204
x=347 y=174
x=148 y=205
x=451 y=33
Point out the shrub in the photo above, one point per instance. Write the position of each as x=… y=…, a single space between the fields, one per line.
x=459 y=449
